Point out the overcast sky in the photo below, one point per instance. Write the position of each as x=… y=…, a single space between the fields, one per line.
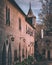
x=35 y=5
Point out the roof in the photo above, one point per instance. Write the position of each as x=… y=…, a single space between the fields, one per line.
x=17 y=6
x=30 y=12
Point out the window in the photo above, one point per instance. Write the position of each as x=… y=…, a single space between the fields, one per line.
x=15 y=55
x=9 y=55
x=4 y=55
x=7 y=16
x=26 y=28
x=19 y=24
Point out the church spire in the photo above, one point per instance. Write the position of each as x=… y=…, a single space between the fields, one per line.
x=30 y=5
x=30 y=13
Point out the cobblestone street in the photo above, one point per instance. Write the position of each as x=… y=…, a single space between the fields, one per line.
x=44 y=63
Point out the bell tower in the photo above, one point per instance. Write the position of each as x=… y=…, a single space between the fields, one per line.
x=30 y=17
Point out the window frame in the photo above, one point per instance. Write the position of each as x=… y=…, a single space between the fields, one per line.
x=7 y=16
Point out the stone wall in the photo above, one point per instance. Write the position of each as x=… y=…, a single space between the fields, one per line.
x=20 y=36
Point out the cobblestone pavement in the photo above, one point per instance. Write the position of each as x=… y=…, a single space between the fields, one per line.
x=43 y=63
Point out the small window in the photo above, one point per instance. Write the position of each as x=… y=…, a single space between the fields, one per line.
x=8 y=16
x=19 y=24
x=26 y=28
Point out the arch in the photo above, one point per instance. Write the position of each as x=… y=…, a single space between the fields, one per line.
x=9 y=55
x=4 y=55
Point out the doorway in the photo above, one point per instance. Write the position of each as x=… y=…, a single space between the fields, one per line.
x=4 y=55
x=9 y=55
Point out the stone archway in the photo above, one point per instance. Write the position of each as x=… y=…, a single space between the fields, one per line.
x=4 y=55
x=9 y=55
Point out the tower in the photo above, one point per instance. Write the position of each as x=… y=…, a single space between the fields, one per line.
x=30 y=17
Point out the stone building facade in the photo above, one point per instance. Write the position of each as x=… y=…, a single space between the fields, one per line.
x=45 y=42
x=48 y=44
x=17 y=35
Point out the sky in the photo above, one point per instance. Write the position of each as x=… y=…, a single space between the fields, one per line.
x=35 y=5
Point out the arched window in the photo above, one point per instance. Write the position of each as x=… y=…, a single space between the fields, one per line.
x=4 y=55
x=9 y=55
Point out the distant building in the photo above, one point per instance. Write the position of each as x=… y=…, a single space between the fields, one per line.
x=48 y=43
x=17 y=33
x=45 y=42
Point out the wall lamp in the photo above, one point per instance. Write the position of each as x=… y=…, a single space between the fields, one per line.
x=12 y=38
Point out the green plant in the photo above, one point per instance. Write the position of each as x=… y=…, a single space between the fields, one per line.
x=26 y=61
